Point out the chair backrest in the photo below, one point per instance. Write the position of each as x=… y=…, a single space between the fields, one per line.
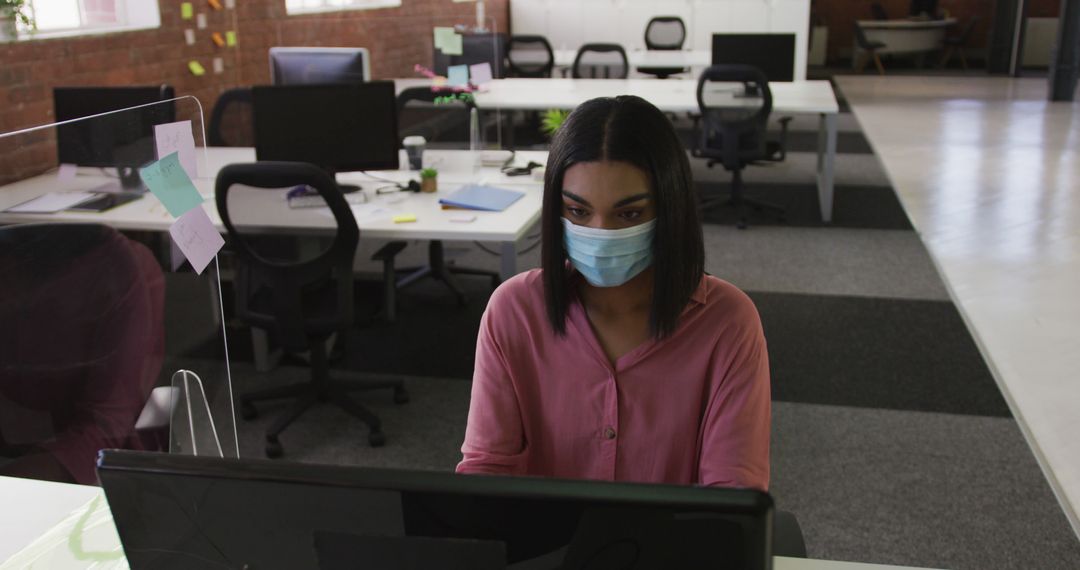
x=878 y=11
x=276 y=294
x=665 y=33
x=860 y=37
x=606 y=61
x=968 y=28
x=529 y=56
x=735 y=102
x=444 y=124
x=232 y=121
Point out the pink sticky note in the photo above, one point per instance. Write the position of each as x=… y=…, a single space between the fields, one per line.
x=67 y=172
x=196 y=236
x=177 y=137
x=480 y=73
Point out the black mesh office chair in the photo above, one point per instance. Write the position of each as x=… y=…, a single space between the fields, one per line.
x=529 y=56
x=869 y=51
x=735 y=103
x=607 y=61
x=301 y=302
x=664 y=33
x=957 y=43
x=232 y=120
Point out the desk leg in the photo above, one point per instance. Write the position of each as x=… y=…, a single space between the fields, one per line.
x=826 y=159
x=508 y=266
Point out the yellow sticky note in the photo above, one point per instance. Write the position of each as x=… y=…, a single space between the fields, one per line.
x=187 y=11
x=230 y=38
x=404 y=218
x=196 y=68
x=218 y=40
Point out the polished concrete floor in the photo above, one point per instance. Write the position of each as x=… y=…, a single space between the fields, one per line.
x=989 y=172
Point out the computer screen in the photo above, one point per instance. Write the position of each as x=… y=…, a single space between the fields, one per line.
x=305 y=65
x=923 y=7
x=340 y=128
x=117 y=139
x=173 y=510
x=773 y=54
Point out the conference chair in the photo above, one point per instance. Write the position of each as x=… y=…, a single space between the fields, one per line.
x=735 y=103
x=302 y=301
x=664 y=33
x=607 y=61
x=958 y=43
x=878 y=11
x=867 y=50
x=232 y=120
x=529 y=56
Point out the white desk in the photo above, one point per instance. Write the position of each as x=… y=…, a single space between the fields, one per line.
x=636 y=58
x=906 y=36
x=42 y=522
x=679 y=96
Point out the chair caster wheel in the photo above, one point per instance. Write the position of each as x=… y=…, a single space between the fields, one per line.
x=401 y=396
x=376 y=439
x=248 y=411
x=273 y=448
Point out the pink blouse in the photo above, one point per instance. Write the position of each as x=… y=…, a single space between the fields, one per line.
x=693 y=408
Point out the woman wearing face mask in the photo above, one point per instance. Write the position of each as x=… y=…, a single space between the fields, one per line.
x=620 y=359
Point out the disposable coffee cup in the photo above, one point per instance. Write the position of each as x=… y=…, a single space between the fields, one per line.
x=414 y=148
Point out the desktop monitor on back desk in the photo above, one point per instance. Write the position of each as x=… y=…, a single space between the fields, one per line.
x=124 y=138
x=340 y=128
x=176 y=511
x=305 y=65
x=773 y=54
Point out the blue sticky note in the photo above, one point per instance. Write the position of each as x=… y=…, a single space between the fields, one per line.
x=457 y=75
x=168 y=181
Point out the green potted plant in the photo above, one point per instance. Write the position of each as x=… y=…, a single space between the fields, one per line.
x=429 y=180
x=552 y=120
x=13 y=12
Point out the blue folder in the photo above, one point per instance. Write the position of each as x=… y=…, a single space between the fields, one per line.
x=479 y=197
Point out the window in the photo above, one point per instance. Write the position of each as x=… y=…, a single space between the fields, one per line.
x=309 y=6
x=74 y=17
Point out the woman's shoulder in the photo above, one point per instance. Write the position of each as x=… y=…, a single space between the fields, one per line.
x=720 y=297
x=522 y=293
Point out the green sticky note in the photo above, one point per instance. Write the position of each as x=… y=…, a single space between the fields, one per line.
x=442 y=34
x=187 y=11
x=230 y=38
x=196 y=68
x=452 y=45
x=168 y=180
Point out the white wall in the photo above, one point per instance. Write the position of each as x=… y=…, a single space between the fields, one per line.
x=569 y=23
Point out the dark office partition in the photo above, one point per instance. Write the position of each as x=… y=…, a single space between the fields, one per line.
x=475 y=48
x=1004 y=40
x=1066 y=65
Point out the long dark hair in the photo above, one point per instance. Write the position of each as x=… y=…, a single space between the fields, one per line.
x=627 y=129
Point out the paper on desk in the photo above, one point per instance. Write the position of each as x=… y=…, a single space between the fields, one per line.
x=177 y=137
x=196 y=236
x=51 y=202
x=480 y=72
x=457 y=75
x=171 y=184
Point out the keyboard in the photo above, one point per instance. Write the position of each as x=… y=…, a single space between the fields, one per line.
x=316 y=201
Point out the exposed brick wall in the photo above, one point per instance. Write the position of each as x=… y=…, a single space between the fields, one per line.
x=397 y=38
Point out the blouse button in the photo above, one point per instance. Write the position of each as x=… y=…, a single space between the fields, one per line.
x=609 y=433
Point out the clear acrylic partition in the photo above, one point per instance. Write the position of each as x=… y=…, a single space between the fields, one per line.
x=98 y=305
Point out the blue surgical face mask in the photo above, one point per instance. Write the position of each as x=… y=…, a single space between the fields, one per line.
x=609 y=258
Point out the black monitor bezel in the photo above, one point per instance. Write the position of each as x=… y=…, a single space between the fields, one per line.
x=743 y=39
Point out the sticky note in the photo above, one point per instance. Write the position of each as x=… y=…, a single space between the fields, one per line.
x=218 y=39
x=230 y=38
x=230 y=4
x=177 y=137
x=196 y=68
x=452 y=45
x=438 y=81
x=215 y=4
x=189 y=36
x=196 y=236
x=200 y=21
x=404 y=218
x=457 y=75
x=480 y=73
x=219 y=65
x=67 y=172
x=168 y=181
x=441 y=36
x=187 y=11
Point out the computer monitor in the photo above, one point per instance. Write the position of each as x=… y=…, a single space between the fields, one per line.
x=340 y=128
x=124 y=139
x=773 y=54
x=176 y=511
x=305 y=65
x=923 y=7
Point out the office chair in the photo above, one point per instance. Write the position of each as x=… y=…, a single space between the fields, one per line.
x=664 y=33
x=607 y=61
x=958 y=43
x=529 y=56
x=301 y=302
x=869 y=50
x=732 y=129
x=232 y=120
x=878 y=11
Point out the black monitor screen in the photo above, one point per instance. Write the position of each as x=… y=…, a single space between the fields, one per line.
x=116 y=139
x=773 y=54
x=303 y=65
x=340 y=128
x=923 y=8
x=173 y=511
